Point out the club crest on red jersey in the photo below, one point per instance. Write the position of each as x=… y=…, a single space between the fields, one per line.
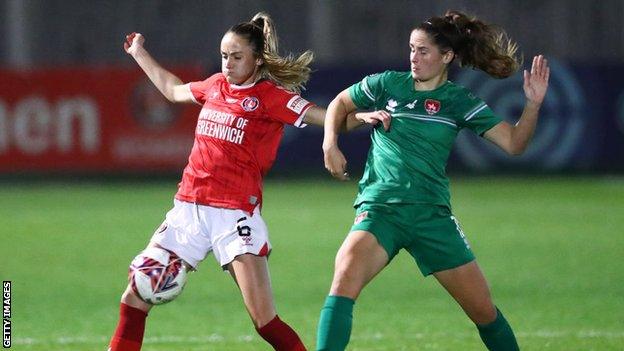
x=250 y=103
x=432 y=106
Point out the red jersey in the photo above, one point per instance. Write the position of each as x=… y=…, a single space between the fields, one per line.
x=236 y=139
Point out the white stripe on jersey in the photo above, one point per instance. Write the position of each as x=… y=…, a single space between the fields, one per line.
x=188 y=86
x=472 y=114
x=299 y=122
x=426 y=118
x=367 y=89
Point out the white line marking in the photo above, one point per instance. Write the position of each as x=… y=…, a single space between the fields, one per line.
x=216 y=338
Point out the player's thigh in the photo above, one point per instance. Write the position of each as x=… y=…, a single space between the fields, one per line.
x=358 y=261
x=468 y=286
x=183 y=233
x=251 y=273
x=381 y=221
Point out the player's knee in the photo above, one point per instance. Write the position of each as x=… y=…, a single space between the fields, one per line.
x=346 y=282
x=260 y=319
x=260 y=311
x=130 y=298
x=483 y=314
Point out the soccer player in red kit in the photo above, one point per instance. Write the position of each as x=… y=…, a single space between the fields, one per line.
x=217 y=206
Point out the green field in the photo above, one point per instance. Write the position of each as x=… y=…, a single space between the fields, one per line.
x=551 y=249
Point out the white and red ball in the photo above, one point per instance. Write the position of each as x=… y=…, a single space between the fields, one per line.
x=157 y=275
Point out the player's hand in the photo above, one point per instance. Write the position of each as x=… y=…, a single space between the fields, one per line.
x=335 y=162
x=133 y=42
x=375 y=117
x=536 y=81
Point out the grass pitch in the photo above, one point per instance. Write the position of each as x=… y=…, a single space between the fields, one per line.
x=550 y=248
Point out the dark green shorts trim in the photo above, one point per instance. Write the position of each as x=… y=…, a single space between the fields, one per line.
x=430 y=233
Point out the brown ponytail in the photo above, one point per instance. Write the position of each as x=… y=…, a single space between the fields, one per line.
x=290 y=72
x=475 y=43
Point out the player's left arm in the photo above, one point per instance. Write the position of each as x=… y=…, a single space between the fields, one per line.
x=514 y=139
x=314 y=115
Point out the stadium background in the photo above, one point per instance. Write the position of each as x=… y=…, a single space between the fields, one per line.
x=90 y=154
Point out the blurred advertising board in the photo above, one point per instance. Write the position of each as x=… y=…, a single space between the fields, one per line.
x=113 y=120
x=91 y=120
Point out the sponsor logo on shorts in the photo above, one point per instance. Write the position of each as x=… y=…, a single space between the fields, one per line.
x=296 y=104
x=359 y=218
x=247 y=240
x=244 y=232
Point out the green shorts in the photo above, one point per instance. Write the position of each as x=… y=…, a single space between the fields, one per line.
x=430 y=233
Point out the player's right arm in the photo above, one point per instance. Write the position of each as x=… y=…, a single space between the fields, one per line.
x=335 y=117
x=337 y=113
x=167 y=83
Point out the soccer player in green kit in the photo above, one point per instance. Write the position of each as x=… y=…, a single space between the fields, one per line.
x=403 y=200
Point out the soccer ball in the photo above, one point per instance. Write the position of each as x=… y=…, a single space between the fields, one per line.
x=157 y=275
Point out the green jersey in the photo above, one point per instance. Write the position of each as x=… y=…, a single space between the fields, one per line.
x=407 y=164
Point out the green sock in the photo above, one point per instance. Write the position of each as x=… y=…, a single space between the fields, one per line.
x=498 y=336
x=334 y=329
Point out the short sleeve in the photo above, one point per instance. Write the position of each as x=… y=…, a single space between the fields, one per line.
x=199 y=89
x=480 y=118
x=366 y=92
x=286 y=107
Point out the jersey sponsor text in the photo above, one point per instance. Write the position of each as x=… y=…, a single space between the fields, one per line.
x=220 y=125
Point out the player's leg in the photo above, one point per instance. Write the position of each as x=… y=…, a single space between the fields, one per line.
x=180 y=234
x=128 y=334
x=443 y=250
x=130 y=328
x=251 y=274
x=358 y=260
x=133 y=312
x=468 y=287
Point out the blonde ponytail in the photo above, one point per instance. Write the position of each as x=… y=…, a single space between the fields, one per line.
x=289 y=72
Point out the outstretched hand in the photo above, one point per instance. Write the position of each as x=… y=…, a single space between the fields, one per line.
x=133 y=42
x=536 y=81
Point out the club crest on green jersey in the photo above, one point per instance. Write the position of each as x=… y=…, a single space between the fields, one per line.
x=432 y=106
